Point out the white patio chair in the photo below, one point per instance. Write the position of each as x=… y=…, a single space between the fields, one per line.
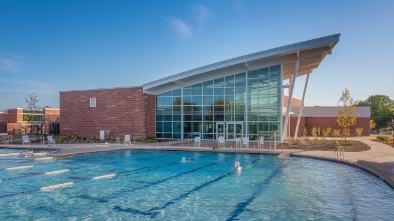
x=25 y=139
x=261 y=142
x=197 y=140
x=51 y=141
x=127 y=140
x=245 y=142
x=221 y=142
x=238 y=143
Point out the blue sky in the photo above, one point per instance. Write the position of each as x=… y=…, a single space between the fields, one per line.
x=49 y=46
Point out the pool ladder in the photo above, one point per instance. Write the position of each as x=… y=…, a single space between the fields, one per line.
x=339 y=153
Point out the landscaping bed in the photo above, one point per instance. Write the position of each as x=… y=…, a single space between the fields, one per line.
x=328 y=145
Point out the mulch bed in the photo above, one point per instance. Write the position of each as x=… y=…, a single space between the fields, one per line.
x=329 y=145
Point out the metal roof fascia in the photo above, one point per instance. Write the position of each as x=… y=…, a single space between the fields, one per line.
x=246 y=58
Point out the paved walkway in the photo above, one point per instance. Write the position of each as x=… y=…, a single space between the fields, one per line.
x=379 y=160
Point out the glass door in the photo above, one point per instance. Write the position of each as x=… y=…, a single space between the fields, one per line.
x=220 y=130
x=238 y=130
x=234 y=130
x=230 y=131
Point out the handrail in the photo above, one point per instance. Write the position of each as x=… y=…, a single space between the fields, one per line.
x=339 y=153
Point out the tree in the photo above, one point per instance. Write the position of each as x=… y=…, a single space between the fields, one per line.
x=33 y=108
x=372 y=124
x=382 y=108
x=347 y=115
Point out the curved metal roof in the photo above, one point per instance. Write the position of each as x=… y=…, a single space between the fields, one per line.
x=311 y=53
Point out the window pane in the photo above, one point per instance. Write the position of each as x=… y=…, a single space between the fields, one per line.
x=159 y=100
x=197 y=91
x=219 y=82
x=167 y=100
x=263 y=128
x=252 y=128
x=275 y=71
x=159 y=127
x=208 y=91
x=219 y=91
x=176 y=92
x=177 y=101
x=177 y=117
x=219 y=117
x=177 y=127
x=218 y=100
x=187 y=128
x=229 y=99
x=187 y=117
x=253 y=74
x=208 y=117
x=229 y=91
x=197 y=118
x=197 y=127
x=187 y=100
x=167 y=117
x=168 y=94
x=240 y=80
x=197 y=100
x=264 y=72
x=167 y=135
x=208 y=84
x=167 y=126
x=208 y=128
x=208 y=100
x=253 y=83
x=229 y=81
x=187 y=92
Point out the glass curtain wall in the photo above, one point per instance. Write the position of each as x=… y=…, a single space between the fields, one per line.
x=252 y=99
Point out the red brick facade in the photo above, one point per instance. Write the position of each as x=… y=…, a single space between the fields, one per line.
x=120 y=110
x=14 y=118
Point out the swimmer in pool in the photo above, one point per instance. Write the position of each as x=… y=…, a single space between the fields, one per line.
x=237 y=166
x=27 y=154
x=184 y=159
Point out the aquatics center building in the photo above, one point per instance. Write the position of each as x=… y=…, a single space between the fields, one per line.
x=239 y=97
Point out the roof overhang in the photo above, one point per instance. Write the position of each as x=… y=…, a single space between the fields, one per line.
x=310 y=53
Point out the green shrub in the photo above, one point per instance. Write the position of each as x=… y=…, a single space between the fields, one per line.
x=336 y=133
x=314 y=132
x=150 y=141
x=384 y=138
x=305 y=132
x=359 y=132
x=326 y=132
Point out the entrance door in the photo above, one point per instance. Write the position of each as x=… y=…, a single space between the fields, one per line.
x=220 y=130
x=234 y=130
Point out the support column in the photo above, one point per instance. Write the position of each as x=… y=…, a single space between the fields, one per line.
x=284 y=132
x=302 y=107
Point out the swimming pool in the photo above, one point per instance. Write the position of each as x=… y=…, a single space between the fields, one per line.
x=157 y=185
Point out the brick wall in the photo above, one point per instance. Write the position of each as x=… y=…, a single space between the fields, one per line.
x=50 y=116
x=295 y=102
x=15 y=115
x=119 y=110
x=3 y=117
x=151 y=115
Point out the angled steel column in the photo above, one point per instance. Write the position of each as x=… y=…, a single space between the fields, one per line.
x=302 y=107
x=284 y=132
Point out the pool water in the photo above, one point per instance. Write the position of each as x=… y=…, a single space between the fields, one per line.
x=157 y=185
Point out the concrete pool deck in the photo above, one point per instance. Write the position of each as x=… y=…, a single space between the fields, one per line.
x=379 y=160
